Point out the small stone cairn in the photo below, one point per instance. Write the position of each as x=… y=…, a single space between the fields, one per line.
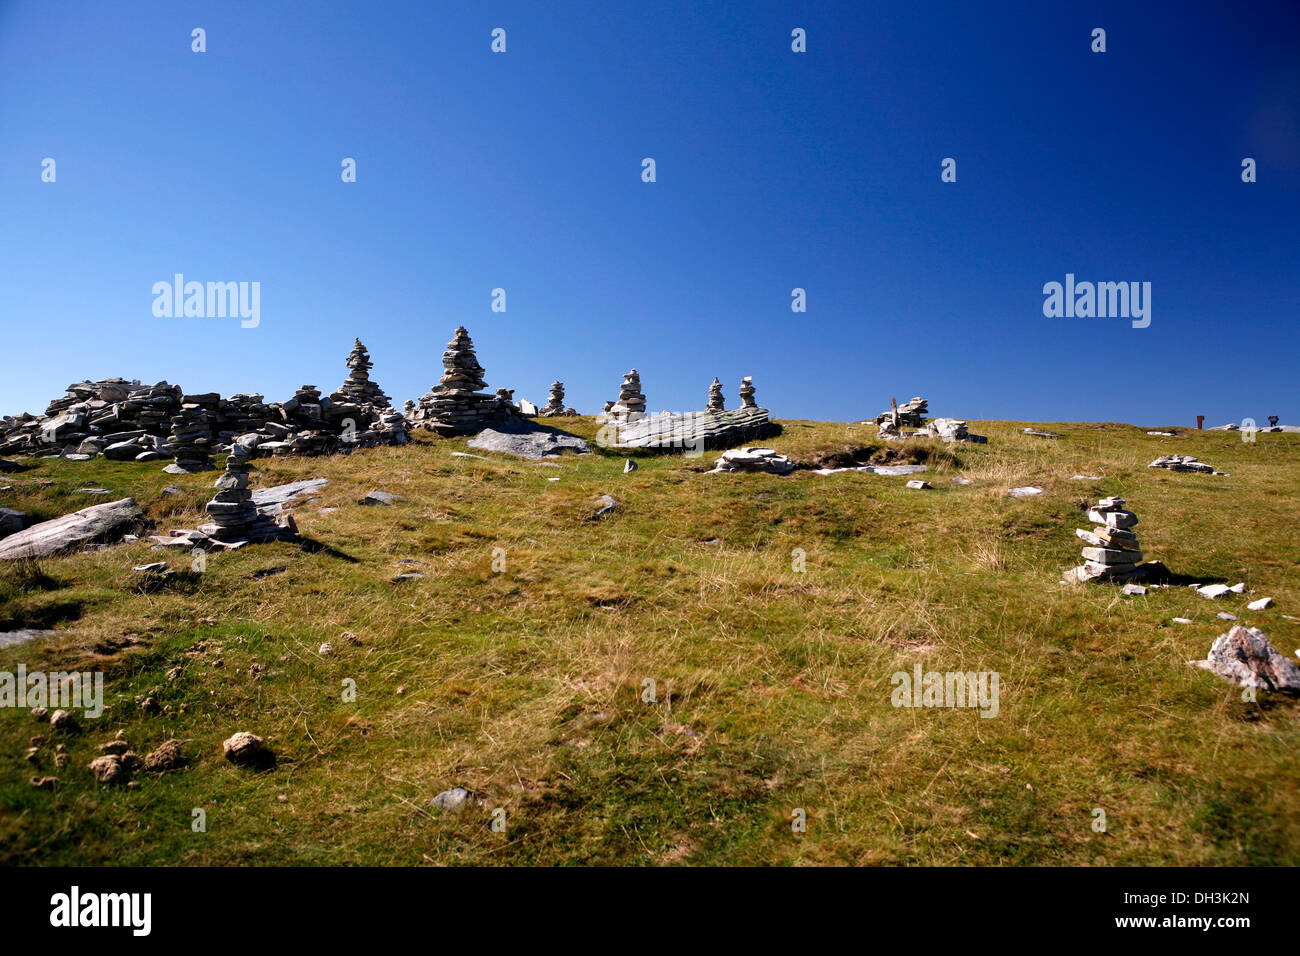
x=234 y=516
x=1111 y=548
x=358 y=387
x=555 y=406
x=190 y=441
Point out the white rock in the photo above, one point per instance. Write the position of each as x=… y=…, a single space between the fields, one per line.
x=1028 y=491
x=1260 y=604
x=1214 y=591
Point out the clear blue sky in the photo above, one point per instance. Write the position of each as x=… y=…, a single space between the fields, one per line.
x=775 y=170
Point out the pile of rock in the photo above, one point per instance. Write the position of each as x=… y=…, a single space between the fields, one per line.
x=1183 y=463
x=631 y=401
x=358 y=388
x=910 y=414
x=456 y=406
x=555 y=406
x=1245 y=657
x=747 y=399
x=190 y=441
x=951 y=429
x=716 y=402
x=233 y=513
x=1111 y=549
x=127 y=421
x=752 y=459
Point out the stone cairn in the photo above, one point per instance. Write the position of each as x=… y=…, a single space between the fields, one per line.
x=555 y=403
x=456 y=406
x=234 y=516
x=716 y=402
x=747 y=400
x=190 y=441
x=1112 y=550
x=358 y=388
x=631 y=402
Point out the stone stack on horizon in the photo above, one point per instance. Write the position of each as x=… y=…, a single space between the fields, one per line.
x=716 y=402
x=555 y=406
x=458 y=404
x=910 y=414
x=359 y=388
x=631 y=402
x=747 y=400
x=1112 y=550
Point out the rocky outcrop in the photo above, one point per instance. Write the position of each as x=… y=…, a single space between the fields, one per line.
x=528 y=441
x=1245 y=657
x=1183 y=463
x=752 y=459
x=98 y=523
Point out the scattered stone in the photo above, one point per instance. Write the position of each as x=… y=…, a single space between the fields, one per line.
x=117 y=747
x=1214 y=591
x=1245 y=657
x=408 y=576
x=1225 y=616
x=952 y=430
x=629 y=465
x=919 y=485
x=960 y=480
x=108 y=769
x=528 y=440
x=465 y=454
x=326 y=649
x=605 y=504
x=1039 y=434
x=154 y=568
x=98 y=523
x=247 y=750
x=1028 y=491
x=379 y=498
x=1260 y=605
x=277 y=498
x=1085 y=477
x=61 y=720
x=1134 y=589
x=1182 y=620
x=1162 y=434
x=1182 y=463
x=752 y=459
x=453 y=799
x=528 y=408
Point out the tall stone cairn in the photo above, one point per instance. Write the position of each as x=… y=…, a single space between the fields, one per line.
x=190 y=441
x=456 y=405
x=555 y=404
x=747 y=393
x=716 y=402
x=631 y=402
x=358 y=387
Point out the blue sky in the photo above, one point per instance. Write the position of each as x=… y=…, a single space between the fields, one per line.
x=775 y=170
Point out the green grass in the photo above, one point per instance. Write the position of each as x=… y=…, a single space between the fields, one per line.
x=773 y=687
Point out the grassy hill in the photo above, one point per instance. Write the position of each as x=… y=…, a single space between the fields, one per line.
x=773 y=687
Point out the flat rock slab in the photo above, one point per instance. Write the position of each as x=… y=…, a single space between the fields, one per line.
x=272 y=500
x=1037 y=434
x=379 y=498
x=1028 y=491
x=528 y=442
x=22 y=636
x=892 y=471
x=695 y=431
x=96 y=523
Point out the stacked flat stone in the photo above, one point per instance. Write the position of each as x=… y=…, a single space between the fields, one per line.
x=234 y=516
x=95 y=415
x=747 y=400
x=1112 y=551
x=631 y=402
x=911 y=414
x=716 y=402
x=456 y=406
x=1182 y=463
x=358 y=388
x=555 y=406
x=190 y=442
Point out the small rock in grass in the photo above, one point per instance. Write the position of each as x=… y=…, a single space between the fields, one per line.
x=1213 y=591
x=168 y=756
x=604 y=505
x=1134 y=589
x=629 y=465
x=918 y=485
x=453 y=799
x=1260 y=605
x=326 y=649
x=108 y=769
x=379 y=498
x=1245 y=657
x=118 y=747
x=1225 y=616
x=153 y=568
x=1028 y=491
x=1182 y=620
x=61 y=720
x=247 y=750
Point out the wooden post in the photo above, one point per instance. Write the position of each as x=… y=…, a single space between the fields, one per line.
x=1200 y=422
